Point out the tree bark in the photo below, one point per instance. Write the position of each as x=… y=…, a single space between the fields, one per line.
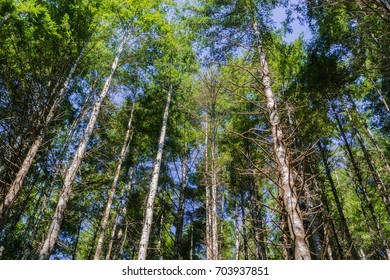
x=180 y=212
x=55 y=226
x=236 y=234
x=148 y=217
x=111 y=194
x=207 y=191
x=112 y=239
x=214 y=217
x=286 y=174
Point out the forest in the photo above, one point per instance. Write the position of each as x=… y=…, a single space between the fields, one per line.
x=194 y=130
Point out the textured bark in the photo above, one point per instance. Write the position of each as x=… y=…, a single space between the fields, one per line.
x=148 y=217
x=111 y=194
x=28 y=160
x=55 y=226
x=286 y=174
x=180 y=212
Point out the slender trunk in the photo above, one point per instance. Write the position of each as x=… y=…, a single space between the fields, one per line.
x=244 y=229
x=214 y=217
x=122 y=246
x=192 y=240
x=111 y=194
x=256 y=211
x=327 y=247
x=55 y=226
x=208 y=198
x=159 y=243
x=360 y=188
x=77 y=240
x=383 y=192
x=313 y=222
x=112 y=239
x=123 y=224
x=371 y=136
x=287 y=181
x=148 y=218
x=236 y=234
x=180 y=212
x=333 y=189
x=28 y=160
x=287 y=250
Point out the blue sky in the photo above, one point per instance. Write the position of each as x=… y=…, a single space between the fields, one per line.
x=279 y=16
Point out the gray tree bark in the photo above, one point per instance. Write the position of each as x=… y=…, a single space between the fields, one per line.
x=286 y=174
x=148 y=217
x=180 y=212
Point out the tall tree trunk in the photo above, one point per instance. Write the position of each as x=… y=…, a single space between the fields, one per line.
x=76 y=243
x=371 y=136
x=207 y=191
x=112 y=238
x=160 y=236
x=148 y=217
x=286 y=174
x=360 y=188
x=333 y=189
x=383 y=191
x=244 y=228
x=55 y=226
x=236 y=234
x=214 y=217
x=111 y=194
x=28 y=160
x=123 y=224
x=180 y=212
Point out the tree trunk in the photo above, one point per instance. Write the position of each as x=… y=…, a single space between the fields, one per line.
x=112 y=239
x=55 y=226
x=383 y=191
x=287 y=181
x=236 y=234
x=180 y=212
x=25 y=167
x=244 y=228
x=338 y=204
x=111 y=194
x=148 y=218
x=160 y=236
x=207 y=191
x=360 y=188
x=214 y=217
